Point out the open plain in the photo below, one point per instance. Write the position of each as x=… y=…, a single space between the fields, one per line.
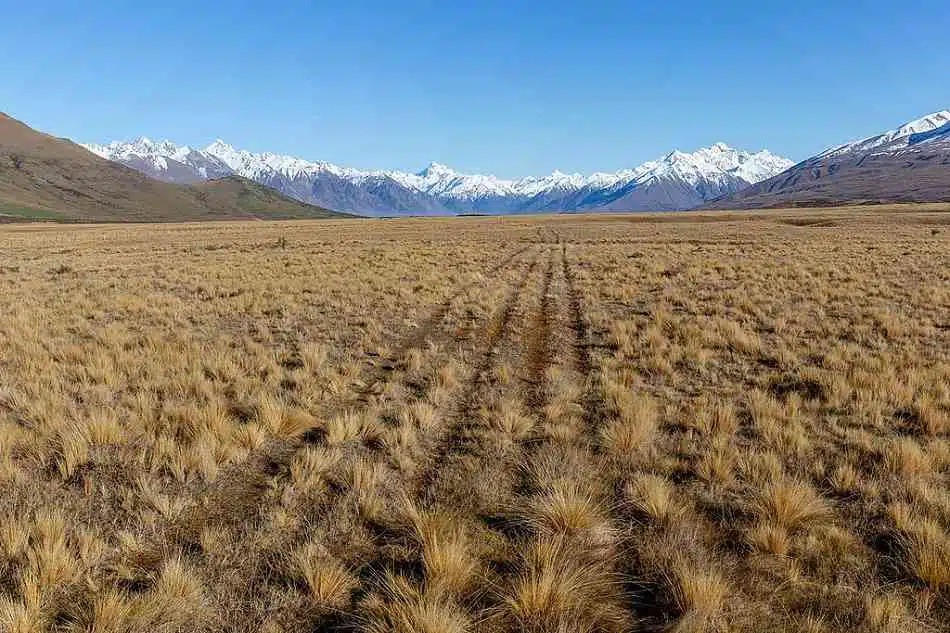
x=545 y=424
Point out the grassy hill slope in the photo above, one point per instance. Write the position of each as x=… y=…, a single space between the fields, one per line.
x=44 y=177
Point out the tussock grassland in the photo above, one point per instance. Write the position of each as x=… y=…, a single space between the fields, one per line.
x=558 y=424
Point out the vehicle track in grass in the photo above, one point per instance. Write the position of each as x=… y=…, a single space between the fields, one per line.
x=401 y=553
x=538 y=351
x=593 y=401
x=417 y=338
x=382 y=523
x=235 y=497
x=561 y=523
x=503 y=520
x=458 y=438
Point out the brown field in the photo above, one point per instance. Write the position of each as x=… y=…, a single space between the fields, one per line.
x=552 y=425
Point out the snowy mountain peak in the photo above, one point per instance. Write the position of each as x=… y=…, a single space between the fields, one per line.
x=436 y=170
x=924 y=124
x=893 y=140
x=676 y=156
x=219 y=146
x=143 y=150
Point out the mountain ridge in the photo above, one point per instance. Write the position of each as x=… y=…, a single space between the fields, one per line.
x=910 y=163
x=676 y=182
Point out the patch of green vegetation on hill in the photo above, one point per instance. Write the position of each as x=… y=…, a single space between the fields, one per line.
x=16 y=211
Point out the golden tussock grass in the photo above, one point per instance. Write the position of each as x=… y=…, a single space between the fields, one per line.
x=406 y=609
x=328 y=580
x=654 y=498
x=698 y=595
x=559 y=591
x=790 y=505
x=690 y=422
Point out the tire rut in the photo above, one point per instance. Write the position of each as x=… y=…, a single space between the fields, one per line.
x=593 y=399
x=458 y=437
x=539 y=351
x=476 y=443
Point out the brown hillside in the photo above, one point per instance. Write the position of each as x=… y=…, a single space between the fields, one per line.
x=44 y=177
x=888 y=174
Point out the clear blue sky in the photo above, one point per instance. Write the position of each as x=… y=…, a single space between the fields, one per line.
x=499 y=86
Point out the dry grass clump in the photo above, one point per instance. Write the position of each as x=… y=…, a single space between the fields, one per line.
x=770 y=538
x=560 y=591
x=717 y=465
x=283 y=421
x=714 y=417
x=449 y=556
x=654 y=498
x=905 y=457
x=791 y=505
x=932 y=418
x=406 y=609
x=176 y=602
x=566 y=511
x=635 y=424
x=886 y=613
x=329 y=581
x=353 y=425
x=177 y=598
x=923 y=548
x=737 y=338
x=509 y=419
x=421 y=414
x=311 y=467
x=698 y=595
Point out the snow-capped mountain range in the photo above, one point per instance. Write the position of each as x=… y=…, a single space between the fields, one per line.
x=678 y=181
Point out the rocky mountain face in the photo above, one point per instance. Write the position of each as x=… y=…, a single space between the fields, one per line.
x=678 y=181
x=910 y=163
